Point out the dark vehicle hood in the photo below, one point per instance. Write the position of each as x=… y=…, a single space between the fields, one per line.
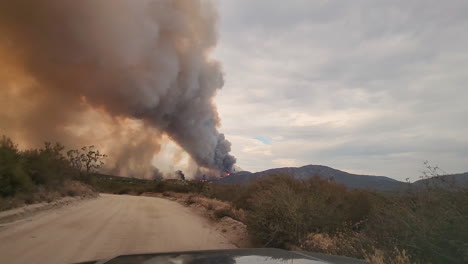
x=231 y=256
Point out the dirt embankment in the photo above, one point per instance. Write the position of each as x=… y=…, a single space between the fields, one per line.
x=20 y=213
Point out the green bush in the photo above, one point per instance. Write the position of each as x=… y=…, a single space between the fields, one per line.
x=13 y=174
x=41 y=174
x=47 y=166
x=236 y=194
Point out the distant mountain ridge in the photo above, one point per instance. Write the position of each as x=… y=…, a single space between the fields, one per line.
x=354 y=181
x=459 y=180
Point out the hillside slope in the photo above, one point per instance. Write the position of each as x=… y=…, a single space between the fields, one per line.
x=457 y=180
x=354 y=181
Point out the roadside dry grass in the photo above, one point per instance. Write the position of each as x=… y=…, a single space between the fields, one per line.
x=43 y=194
x=24 y=211
x=351 y=244
x=224 y=216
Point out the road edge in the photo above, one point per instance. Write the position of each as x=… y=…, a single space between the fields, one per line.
x=22 y=212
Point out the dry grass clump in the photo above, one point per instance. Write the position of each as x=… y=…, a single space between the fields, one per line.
x=76 y=188
x=381 y=257
x=218 y=208
x=354 y=244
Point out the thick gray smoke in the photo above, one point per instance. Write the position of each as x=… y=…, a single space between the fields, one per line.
x=140 y=59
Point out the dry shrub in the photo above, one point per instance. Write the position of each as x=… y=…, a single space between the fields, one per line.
x=238 y=214
x=191 y=199
x=9 y=203
x=356 y=245
x=234 y=194
x=180 y=197
x=222 y=212
x=76 y=188
x=350 y=244
x=430 y=224
x=47 y=196
x=174 y=196
x=40 y=194
x=284 y=211
x=320 y=243
x=383 y=257
x=211 y=204
x=229 y=211
x=219 y=209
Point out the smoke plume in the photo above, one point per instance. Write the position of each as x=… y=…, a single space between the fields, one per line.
x=120 y=72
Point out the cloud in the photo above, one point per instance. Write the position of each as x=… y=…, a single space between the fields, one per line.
x=368 y=86
x=288 y=162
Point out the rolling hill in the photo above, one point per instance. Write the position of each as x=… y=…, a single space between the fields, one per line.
x=354 y=181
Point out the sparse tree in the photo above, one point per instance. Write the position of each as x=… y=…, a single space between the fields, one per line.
x=86 y=160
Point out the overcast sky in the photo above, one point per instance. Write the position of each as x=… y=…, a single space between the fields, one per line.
x=372 y=87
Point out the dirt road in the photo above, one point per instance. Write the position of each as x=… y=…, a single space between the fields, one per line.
x=104 y=227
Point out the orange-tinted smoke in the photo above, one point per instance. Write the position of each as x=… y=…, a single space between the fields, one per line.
x=142 y=61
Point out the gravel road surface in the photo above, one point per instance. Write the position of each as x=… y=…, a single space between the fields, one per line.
x=104 y=227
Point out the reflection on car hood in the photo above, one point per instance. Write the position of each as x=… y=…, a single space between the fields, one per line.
x=232 y=256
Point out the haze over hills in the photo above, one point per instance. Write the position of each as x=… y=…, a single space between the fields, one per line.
x=355 y=181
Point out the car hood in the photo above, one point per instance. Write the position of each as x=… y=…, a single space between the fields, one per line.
x=231 y=256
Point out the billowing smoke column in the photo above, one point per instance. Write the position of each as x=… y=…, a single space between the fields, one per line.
x=140 y=59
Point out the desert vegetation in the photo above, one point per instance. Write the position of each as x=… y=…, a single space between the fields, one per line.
x=426 y=224
x=44 y=174
x=136 y=186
